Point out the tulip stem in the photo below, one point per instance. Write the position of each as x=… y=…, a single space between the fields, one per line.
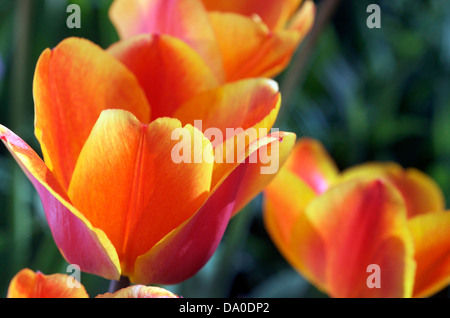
x=116 y=285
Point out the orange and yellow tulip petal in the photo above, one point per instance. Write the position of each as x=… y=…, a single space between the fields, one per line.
x=420 y=192
x=285 y=199
x=260 y=52
x=274 y=13
x=303 y=19
x=257 y=101
x=273 y=151
x=168 y=70
x=137 y=193
x=157 y=16
x=69 y=227
x=73 y=83
x=28 y=284
x=140 y=291
x=311 y=162
x=350 y=227
x=242 y=104
x=432 y=252
x=196 y=240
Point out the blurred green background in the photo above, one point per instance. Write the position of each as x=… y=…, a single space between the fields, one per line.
x=367 y=94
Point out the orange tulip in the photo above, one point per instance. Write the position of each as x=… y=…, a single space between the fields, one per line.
x=237 y=38
x=29 y=284
x=338 y=228
x=116 y=202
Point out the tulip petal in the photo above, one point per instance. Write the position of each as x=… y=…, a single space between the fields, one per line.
x=303 y=19
x=185 y=250
x=169 y=71
x=311 y=162
x=127 y=183
x=260 y=52
x=271 y=157
x=69 y=228
x=28 y=284
x=431 y=233
x=350 y=227
x=257 y=101
x=186 y=20
x=242 y=104
x=420 y=192
x=140 y=291
x=73 y=83
x=274 y=13
x=285 y=198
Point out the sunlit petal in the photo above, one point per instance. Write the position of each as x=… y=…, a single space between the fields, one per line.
x=196 y=240
x=73 y=83
x=168 y=70
x=127 y=183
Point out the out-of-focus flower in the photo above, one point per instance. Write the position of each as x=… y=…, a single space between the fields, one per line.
x=237 y=39
x=115 y=200
x=29 y=284
x=332 y=225
x=140 y=291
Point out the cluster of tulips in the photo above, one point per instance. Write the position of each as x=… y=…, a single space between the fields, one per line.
x=119 y=207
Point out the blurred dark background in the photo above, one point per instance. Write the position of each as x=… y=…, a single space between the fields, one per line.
x=366 y=94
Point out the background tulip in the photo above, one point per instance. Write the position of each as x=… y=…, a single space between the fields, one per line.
x=236 y=39
x=332 y=226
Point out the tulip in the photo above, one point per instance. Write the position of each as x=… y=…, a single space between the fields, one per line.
x=29 y=284
x=337 y=229
x=237 y=39
x=116 y=202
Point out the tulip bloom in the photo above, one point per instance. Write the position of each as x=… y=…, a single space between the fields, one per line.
x=237 y=38
x=116 y=202
x=29 y=284
x=335 y=227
